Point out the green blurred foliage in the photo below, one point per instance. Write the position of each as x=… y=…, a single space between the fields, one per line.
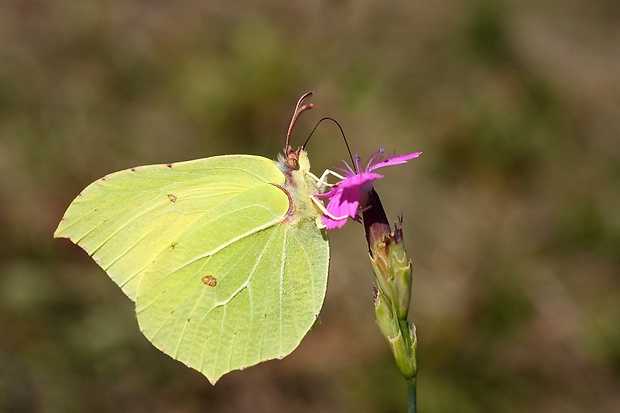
x=511 y=215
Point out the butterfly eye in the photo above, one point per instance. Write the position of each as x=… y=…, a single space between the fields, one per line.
x=293 y=163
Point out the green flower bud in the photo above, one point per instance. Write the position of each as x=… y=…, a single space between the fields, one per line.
x=388 y=324
x=404 y=361
x=391 y=265
x=393 y=275
x=400 y=268
x=382 y=269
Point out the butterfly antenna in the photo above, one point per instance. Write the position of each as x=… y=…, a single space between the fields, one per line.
x=341 y=132
x=299 y=109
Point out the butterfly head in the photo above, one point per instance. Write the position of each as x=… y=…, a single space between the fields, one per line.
x=294 y=160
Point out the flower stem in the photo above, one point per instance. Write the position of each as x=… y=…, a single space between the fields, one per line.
x=411 y=391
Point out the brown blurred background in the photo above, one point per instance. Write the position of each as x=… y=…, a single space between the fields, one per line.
x=512 y=215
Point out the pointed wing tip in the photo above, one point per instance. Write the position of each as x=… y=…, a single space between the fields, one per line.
x=59 y=234
x=213 y=378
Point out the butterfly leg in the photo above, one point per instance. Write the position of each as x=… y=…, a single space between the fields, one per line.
x=319 y=205
x=322 y=182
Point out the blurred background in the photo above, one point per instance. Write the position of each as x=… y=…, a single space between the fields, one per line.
x=511 y=215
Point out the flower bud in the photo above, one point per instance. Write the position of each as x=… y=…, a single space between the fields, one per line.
x=401 y=272
x=376 y=224
x=388 y=255
x=404 y=356
x=393 y=276
x=388 y=324
x=383 y=274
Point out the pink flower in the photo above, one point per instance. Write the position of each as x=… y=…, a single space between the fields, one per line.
x=349 y=194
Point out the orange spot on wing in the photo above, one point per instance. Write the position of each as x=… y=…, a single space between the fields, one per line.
x=209 y=280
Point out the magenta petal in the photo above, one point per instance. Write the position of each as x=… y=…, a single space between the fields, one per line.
x=344 y=203
x=359 y=180
x=397 y=160
x=349 y=202
x=335 y=210
x=350 y=182
x=329 y=194
x=332 y=223
x=345 y=197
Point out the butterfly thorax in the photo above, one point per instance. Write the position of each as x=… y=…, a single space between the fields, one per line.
x=300 y=187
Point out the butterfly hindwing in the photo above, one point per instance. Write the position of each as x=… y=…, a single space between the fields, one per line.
x=221 y=278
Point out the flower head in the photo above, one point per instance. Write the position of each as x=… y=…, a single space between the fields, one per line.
x=346 y=198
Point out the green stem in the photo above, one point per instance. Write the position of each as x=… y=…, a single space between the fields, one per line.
x=411 y=391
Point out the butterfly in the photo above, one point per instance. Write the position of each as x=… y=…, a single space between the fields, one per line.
x=226 y=257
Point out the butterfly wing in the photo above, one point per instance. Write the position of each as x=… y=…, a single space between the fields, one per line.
x=221 y=281
x=252 y=301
